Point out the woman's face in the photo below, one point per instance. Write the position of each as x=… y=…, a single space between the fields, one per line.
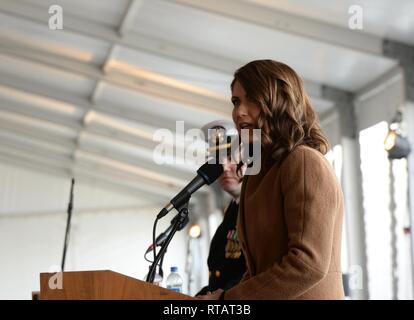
x=245 y=112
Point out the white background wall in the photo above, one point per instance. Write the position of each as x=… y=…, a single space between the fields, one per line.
x=109 y=231
x=376 y=188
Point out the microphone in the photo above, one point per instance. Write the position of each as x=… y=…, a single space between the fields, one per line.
x=206 y=174
x=163 y=236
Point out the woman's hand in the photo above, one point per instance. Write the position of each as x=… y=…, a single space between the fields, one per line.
x=212 y=295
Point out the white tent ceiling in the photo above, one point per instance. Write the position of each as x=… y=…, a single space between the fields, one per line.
x=86 y=100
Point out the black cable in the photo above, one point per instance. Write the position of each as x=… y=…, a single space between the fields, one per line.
x=150 y=261
x=154 y=244
x=151 y=276
x=146 y=259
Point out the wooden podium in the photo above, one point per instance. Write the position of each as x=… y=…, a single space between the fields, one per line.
x=103 y=285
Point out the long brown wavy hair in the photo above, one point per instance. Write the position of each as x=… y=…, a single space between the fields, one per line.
x=287 y=118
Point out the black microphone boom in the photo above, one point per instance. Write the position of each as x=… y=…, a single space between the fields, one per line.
x=206 y=174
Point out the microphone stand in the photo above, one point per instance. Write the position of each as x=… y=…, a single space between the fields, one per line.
x=160 y=271
x=166 y=232
x=180 y=227
x=182 y=215
x=70 y=206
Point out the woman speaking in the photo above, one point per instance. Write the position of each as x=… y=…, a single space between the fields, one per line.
x=290 y=216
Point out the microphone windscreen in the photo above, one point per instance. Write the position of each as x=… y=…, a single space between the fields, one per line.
x=210 y=172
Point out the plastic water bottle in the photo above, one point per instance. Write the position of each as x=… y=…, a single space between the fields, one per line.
x=157 y=278
x=174 y=280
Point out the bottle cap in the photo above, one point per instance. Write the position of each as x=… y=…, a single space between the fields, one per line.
x=174 y=269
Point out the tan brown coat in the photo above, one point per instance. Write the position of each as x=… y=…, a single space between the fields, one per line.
x=289 y=227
